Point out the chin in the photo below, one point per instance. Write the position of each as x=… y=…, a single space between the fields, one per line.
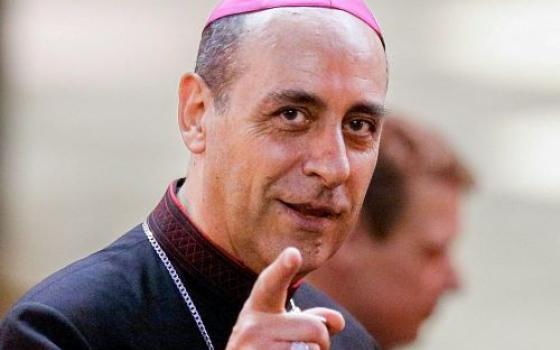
x=412 y=336
x=308 y=267
x=402 y=340
x=314 y=250
x=312 y=261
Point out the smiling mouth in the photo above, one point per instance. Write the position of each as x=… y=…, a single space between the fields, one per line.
x=311 y=218
x=313 y=211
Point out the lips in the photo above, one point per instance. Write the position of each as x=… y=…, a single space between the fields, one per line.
x=312 y=216
x=319 y=211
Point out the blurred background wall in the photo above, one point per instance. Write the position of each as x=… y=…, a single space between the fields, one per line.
x=89 y=140
x=5 y=298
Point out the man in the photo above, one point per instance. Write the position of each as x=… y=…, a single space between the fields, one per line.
x=397 y=260
x=283 y=119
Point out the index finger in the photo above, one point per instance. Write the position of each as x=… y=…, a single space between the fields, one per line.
x=271 y=288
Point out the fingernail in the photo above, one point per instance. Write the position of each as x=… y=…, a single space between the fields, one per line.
x=288 y=258
x=287 y=263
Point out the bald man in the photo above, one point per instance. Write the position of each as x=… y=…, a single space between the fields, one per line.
x=398 y=259
x=282 y=118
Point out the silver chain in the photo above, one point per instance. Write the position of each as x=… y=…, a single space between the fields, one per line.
x=180 y=286
x=294 y=307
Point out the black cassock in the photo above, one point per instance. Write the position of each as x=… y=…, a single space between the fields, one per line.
x=122 y=297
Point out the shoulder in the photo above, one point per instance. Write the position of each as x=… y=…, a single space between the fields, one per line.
x=100 y=294
x=32 y=325
x=112 y=270
x=354 y=335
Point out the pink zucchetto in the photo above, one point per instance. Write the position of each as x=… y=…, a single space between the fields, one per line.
x=356 y=8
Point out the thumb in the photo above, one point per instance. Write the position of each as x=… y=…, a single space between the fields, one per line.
x=271 y=288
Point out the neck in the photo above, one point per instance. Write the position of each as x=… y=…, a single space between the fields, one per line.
x=191 y=195
x=182 y=195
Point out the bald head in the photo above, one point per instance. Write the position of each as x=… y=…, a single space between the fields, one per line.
x=219 y=62
x=357 y=8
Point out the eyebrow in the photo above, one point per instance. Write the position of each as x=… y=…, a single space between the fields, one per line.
x=305 y=98
x=372 y=109
x=295 y=96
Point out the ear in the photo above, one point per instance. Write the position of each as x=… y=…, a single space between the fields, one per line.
x=194 y=105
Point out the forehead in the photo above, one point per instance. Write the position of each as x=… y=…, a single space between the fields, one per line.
x=312 y=28
x=311 y=22
x=312 y=43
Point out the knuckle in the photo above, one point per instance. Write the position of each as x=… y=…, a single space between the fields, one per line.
x=249 y=327
x=319 y=332
x=261 y=288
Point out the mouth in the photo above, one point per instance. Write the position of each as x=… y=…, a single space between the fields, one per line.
x=318 y=211
x=311 y=217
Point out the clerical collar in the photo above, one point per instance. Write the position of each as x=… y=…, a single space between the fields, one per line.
x=194 y=253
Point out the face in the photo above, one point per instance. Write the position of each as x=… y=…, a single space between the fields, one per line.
x=289 y=160
x=405 y=275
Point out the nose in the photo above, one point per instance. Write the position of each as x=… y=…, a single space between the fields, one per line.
x=327 y=158
x=453 y=281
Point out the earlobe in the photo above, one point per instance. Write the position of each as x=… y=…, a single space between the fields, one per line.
x=193 y=107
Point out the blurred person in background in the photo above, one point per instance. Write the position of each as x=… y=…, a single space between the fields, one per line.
x=397 y=263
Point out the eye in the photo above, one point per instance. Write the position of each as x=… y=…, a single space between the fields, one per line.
x=361 y=127
x=292 y=115
x=289 y=114
x=293 y=118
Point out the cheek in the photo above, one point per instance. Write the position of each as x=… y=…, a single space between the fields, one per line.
x=362 y=166
x=429 y=282
x=279 y=153
x=263 y=167
x=273 y=159
x=406 y=271
x=436 y=276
